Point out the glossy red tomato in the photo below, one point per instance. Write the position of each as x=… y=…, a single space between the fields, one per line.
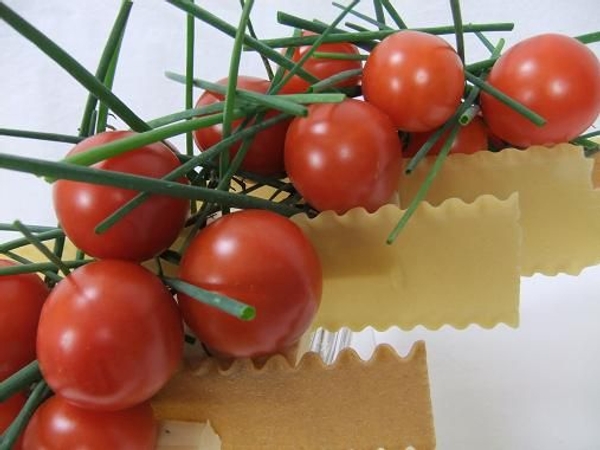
x=416 y=78
x=470 y=138
x=261 y=259
x=143 y=233
x=59 y=425
x=110 y=336
x=265 y=156
x=555 y=76
x=9 y=409
x=344 y=155
x=323 y=68
x=21 y=300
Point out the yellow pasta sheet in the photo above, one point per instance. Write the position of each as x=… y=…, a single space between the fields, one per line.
x=560 y=209
x=380 y=403
x=455 y=264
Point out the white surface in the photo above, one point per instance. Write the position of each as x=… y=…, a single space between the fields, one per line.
x=536 y=387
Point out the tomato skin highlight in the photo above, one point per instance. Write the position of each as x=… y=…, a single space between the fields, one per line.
x=344 y=155
x=555 y=76
x=9 y=409
x=145 y=231
x=265 y=156
x=59 y=425
x=471 y=138
x=323 y=68
x=416 y=78
x=264 y=260
x=110 y=336
x=21 y=299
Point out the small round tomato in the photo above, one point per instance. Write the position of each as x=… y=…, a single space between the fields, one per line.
x=145 y=231
x=344 y=155
x=323 y=68
x=557 y=77
x=470 y=138
x=263 y=260
x=416 y=78
x=265 y=155
x=9 y=409
x=21 y=299
x=110 y=335
x=59 y=425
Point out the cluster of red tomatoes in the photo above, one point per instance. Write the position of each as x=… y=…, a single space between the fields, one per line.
x=110 y=334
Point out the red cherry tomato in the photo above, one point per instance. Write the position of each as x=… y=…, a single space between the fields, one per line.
x=110 y=336
x=265 y=156
x=416 y=78
x=344 y=155
x=470 y=138
x=9 y=409
x=21 y=300
x=143 y=233
x=557 y=77
x=264 y=260
x=323 y=68
x=59 y=425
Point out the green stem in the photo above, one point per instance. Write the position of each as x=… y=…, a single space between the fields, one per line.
x=20 y=381
x=189 y=77
x=378 y=23
x=60 y=170
x=379 y=14
x=114 y=148
x=265 y=60
x=226 y=304
x=340 y=56
x=33 y=240
x=424 y=188
x=51 y=275
x=502 y=97
x=40 y=267
x=458 y=25
x=74 y=68
x=38 y=395
x=106 y=60
x=40 y=135
x=369 y=36
x=45 y=235
x=466 y=117
x=35 y=228
x=109 y=79
x=231 y=90
x=589 y=38
x=333 y=80
x=393 y=14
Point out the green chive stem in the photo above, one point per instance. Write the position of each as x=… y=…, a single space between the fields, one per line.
x=501 y=96
x=44 y=235
x=107 y=57
x=38 y=395
x=589 y=38
x=61 y=170
x=265 y=60
x=393 y=13
x=40 y=135
x=458 y=25
x=378 y=23
x=424 y=188
x=333 y=80
x=226 y=304
x=33 y=240
x=340 y=56
x=379 y=14
x=20 y=380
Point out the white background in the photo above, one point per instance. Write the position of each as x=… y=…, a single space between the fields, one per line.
x=536 y=387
